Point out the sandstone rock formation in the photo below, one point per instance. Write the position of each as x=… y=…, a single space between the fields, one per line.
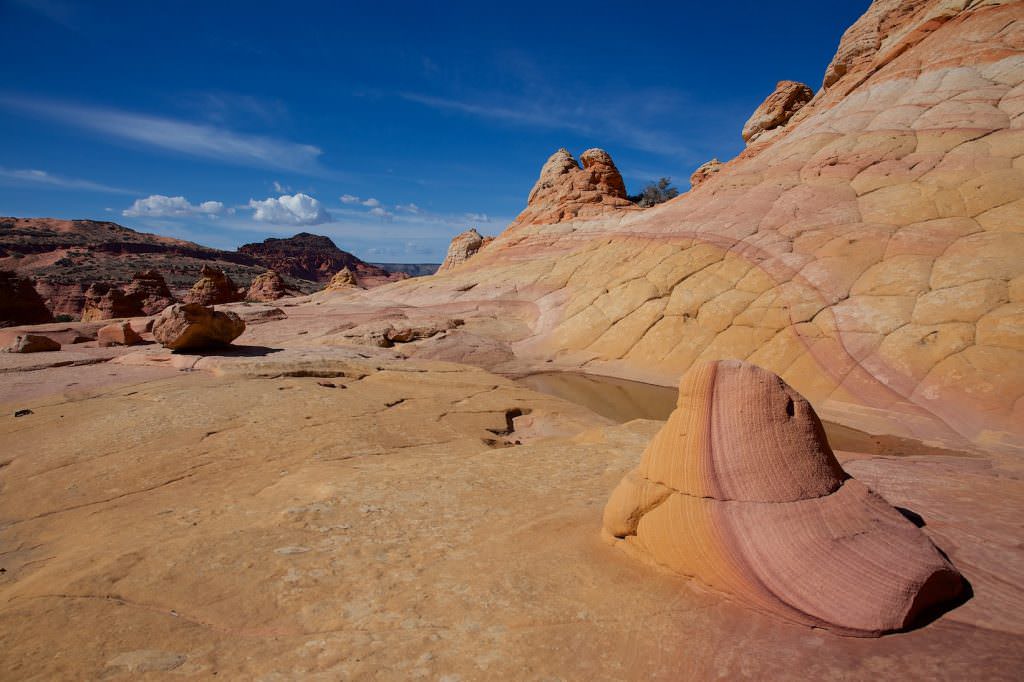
x=343 y=279
x=118 y=334
x=190 y=326
x=267 y=287
x=314 y=257
x=150 y=292
x=20 y=303
x=463 y=247
x=776 y=109
x=869 y=252
x=32 y=343
x=105 y=301
x=565 y=191
x=741 y=490
x=705 y=171
x=213 y=288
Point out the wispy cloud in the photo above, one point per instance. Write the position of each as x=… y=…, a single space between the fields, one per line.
x=183 y=137
x=41 y=177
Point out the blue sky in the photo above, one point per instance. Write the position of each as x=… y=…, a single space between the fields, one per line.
x=389 y=127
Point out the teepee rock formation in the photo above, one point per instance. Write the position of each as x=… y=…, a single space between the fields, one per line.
x=565 y=190
x=741 y=490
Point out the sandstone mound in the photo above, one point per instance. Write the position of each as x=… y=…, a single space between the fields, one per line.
x=267 y=287
x=20 y=303
x=463 y=247
x=190 y=326
x=105 y=301
x=32 y=343
x=343 y=279
x=741 y=490
x=150 y=291
x=565 y=190
x=777 y=109
x=214 y=287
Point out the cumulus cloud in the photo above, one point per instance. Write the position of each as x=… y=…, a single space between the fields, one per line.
x=371 y=202
x=160 y=206
x=296 y=209
x=281 y=189
x=349 y=199
x=380 y=212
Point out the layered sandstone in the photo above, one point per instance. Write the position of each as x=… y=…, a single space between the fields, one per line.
x=870 y=252
x=149 y=289
x=267 y=287
x=343 y=279
x=705 y=171
x=566 y=191
x=105 y=301
x=741 y=490
x=191 y=326
x=20 y=303
x=213 y=287
x=463 y=247
x=776 y=110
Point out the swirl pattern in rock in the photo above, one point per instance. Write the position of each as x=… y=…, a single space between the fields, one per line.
x=741 y=490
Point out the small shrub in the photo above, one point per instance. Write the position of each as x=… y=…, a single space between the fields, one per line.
x=655 y=193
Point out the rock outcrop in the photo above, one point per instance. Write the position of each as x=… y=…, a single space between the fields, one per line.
x=776 y=109
x=463 y=247
x=20 y=303
x=118 y=334
x=190 y=326
x=741 y=490
x=213 y=288
x=870 y=253
x=343 y=279
x=314 y=257
x=705 y=171
x=150 y=292
x=32 y=343
x=105 y=301
x=566 y=191
x=267 y=287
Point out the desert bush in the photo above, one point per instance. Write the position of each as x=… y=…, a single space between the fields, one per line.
x=655 y=193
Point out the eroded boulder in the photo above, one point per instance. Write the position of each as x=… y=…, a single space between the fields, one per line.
x=741 y=490
x=32 y=343
x=268 y=286
x=190 y=326
x=214 y=287
x=343 y=279
x=118 y=334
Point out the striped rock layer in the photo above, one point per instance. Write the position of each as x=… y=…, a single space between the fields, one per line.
x=870 y=251
x=741 y=490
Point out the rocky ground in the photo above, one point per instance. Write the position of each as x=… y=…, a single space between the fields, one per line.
x=310 y=503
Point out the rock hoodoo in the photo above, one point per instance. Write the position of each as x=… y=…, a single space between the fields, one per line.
x=105 y=301
x=190 y=326
x=463 y=247
x=20 y=303
x=214 y=287
x=705 y=171
x=741 y=490
x=566 y=191
x=777 y=109
x=266 y=287
x=343 y=279
x=150 y=292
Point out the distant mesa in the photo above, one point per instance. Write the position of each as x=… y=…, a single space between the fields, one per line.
x=741 y=490
x=463 y=247
x=566 y=191
x=191 y=326
x=214 y=287
x=776 y=110
x=315 y=258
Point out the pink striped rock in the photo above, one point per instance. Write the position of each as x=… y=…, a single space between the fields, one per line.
x=741 y=490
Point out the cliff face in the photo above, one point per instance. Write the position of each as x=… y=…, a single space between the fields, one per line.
x=870 y=251
x=313 y=257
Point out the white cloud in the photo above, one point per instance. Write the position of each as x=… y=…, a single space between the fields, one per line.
x=297 y=209
x=477 y=217
x=160 y=206
x=281 y=189
x=371 y=202
x=380 y=212
x=408 y=208
x=349 y=199
x=41 y=177
x=193 y=139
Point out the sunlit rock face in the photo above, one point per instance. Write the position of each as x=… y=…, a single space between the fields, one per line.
x=740 y=490
x=787 y=99
x=463 y=247
x=869 y=252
